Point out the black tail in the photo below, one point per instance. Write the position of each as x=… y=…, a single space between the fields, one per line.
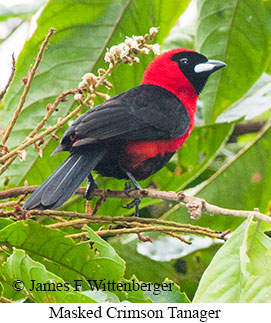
x=64 y=181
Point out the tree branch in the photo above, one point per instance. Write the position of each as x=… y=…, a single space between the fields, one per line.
x=131 y=224
x=196 y=206
x=245 y=128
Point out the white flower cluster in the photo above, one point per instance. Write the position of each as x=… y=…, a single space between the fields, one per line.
x=89 y=80
x=132 y=46
x=88 y=83
x=78 y=97
x=124 y=52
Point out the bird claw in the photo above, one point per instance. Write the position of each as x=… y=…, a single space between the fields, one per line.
x=132 y=204
x=128 y=187
x=135 y=203
x=90 y=187
x=88 y=194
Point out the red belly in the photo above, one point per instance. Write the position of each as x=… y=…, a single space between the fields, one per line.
x=140 y=151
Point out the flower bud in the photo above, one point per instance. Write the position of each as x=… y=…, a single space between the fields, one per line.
x=136 y=59
x=127 y=60
x=83 y=85
x=107 y=84
x=78 y=97
x=156 y=49
x=101 y=71
x=109 y=58
x=153 y=31
x=89 y=77
x=103 y=95
x=144 y=50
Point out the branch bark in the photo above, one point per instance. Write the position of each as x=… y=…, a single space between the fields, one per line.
x=196 y=206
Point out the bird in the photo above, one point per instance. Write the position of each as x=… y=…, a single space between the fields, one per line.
x=132 y=135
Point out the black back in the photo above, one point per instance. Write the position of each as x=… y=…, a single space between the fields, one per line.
x=146 y=112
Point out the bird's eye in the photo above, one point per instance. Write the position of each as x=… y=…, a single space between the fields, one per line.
x=184 y=61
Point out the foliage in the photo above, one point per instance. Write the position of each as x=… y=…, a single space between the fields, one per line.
x=245 y=273
x=212 y=164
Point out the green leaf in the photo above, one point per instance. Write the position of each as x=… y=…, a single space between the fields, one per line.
x=173 y=295
x=133 y=294
x=197 y=153
x=144 y=268
x=84 y=29
x=9 y=292
x=268 y=68
x=254 y=103
x=184 y=265
x=105 y=250
x=181 y=37
x=241 y=270
x=62 y=256
x=141 y=292
x=243 y=184
x=21 y=267
x=237 y=32
x=102 y=297
x=4 y=223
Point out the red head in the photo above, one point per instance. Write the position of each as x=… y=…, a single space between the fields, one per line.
x=183 y=72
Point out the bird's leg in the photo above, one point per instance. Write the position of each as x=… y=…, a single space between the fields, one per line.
x=127 y=188
x=90 y=187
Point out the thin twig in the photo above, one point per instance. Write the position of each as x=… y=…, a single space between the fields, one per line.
x=50 y=111
x=3 y=92
x=142 y=238
x=12 y=203
x=39 y=136
x=27 y=86
x=35 y=136
x=163 y=229
x=77 y=235
x=178 y=236
x=127 y=220
x=7 y=164
x=58 y=218
x=141 y=224
x=5 y=300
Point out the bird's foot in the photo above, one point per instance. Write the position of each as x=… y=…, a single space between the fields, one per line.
x=128 y=188
x=136 y=202
x=90 y=187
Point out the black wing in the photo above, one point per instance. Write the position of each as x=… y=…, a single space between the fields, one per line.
x=146 y=112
